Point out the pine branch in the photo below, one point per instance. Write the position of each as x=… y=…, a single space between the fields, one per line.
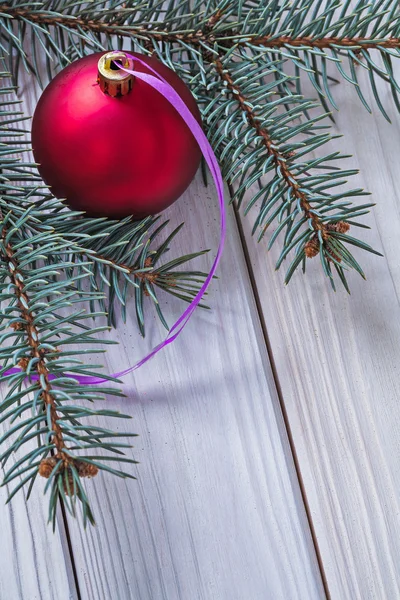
x=37 y=335
x=54 y=414
x=333 y=33
x=155 y=31
x=33 y=340
x=272 y=151
x=243 y=35
x=123 y=257
x=37 y=325
x=323 y=43
x=310 y=34
x=48 y=254
x=314 y=221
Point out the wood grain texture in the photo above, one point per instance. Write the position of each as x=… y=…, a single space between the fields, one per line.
x=216 y=512
x=337 y=360
x=35 y=563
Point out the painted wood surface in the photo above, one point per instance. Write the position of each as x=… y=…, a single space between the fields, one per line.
x=337 y=363
x=216 y=512
x=34 y=562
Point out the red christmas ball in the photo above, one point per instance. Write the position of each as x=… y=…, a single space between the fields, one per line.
x=114 y=147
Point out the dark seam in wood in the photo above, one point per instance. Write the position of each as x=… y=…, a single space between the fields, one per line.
x=278 y=388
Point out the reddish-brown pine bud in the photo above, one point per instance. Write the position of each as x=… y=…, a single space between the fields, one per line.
x=46 y=466
x=311 y=249
x=86 y=469
x=340 y=227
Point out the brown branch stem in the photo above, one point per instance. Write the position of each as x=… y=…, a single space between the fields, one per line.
x=322 y=43
x=192 y=37
x=278 y=157
x=149 y=276
x=33 y=341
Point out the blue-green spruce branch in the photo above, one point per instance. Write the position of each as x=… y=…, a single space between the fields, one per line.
x=53 y=266
x=254 y=41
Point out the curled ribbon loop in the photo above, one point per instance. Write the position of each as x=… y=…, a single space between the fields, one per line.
x=157 y=82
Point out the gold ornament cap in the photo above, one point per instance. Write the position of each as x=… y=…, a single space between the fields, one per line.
x=113 y=80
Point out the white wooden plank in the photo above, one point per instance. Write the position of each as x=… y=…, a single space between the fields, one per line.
x=34 y=563
x=337 y=360
x=216 y=512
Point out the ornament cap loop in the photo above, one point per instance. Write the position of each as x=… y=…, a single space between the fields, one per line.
x=112 y=80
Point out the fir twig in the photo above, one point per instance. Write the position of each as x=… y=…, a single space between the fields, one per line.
x=297 y=192
x=48 y=254
x=124 y=258
x=153 y=31
x=279 y=160
x=244 y=38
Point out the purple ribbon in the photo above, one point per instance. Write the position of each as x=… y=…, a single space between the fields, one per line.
x=164 y=88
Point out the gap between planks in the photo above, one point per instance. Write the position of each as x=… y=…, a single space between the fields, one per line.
x=281 y=401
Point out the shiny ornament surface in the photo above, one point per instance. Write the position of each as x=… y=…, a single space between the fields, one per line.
x=114 y=156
